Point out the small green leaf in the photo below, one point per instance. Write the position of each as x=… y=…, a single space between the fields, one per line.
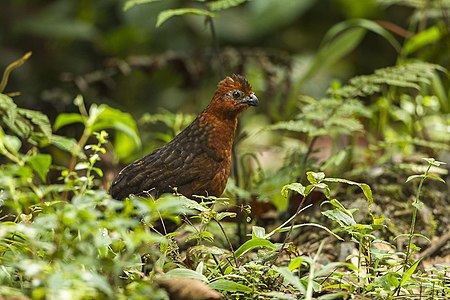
x=433 y=162
x=167 y=14
x=296 y=187
x=315 y=177
x=222 y=215
x=435 y=177
x=130 y=3
x=418 y=204
x=412 y=177
x=65 y=119
x=364 y=187
x=295 y=263
x=252 y=244
x=422 y=39
x=229 y=286
x=41 y=164
x=258 y=232
x=224 y=4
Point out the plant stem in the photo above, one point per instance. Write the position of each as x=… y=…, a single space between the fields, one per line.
x=229 y=243
x=414 y=218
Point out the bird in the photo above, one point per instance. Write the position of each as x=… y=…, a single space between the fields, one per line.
x=197 y=161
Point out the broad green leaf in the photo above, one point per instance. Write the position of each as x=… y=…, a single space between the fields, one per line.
x=252 y=244
x=111 y=118
x=340 y=217
x=186 y=273
x=41 y=164
x=229 y=286
x=67 y=144
x=224 y=4
x=65 y=119
x=40 y=120
x=130 y=3
x=167 y=14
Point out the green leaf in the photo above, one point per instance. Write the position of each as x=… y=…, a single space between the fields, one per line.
x=229 y=286
x=412 y=177
x=435 y=177
x=284 y=229
x=67 y=144
x=225 y=214
x=364 y=187
x=296 y=187
x=361 y=23
x=418 y=204
x=111 y=118
x=433 y=162
x=333 y=50
x=10 y=142
x=65 y=119
x=42 y=123
x=41 y=164
x=252 y=244
x=340 y=217
x=258 y=232
x=295 y=263
x=290 y=278
x=130 y=3
x=167 y=14
x=422 y=39
x=409 y=272
x=186 y=273
x=8 y=109
x=224 y=4
x=315 y=177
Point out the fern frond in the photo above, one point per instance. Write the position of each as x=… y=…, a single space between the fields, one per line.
x=411 y=75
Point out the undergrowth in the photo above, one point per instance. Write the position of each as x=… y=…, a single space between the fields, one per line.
x=66 y=238
x=62 y=236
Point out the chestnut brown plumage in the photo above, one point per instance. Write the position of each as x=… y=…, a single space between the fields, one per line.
x=197 y=161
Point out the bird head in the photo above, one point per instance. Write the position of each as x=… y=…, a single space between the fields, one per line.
x=233 y=95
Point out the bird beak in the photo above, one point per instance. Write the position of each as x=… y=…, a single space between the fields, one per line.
x=251 y=100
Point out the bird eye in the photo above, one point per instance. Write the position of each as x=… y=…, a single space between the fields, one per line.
x=236 y=94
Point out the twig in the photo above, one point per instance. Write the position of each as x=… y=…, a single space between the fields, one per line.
x=11 y=67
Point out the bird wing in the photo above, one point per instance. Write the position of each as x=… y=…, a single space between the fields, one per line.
x=179 y=164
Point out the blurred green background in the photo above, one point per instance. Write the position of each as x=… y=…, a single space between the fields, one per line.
x=120 y=57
